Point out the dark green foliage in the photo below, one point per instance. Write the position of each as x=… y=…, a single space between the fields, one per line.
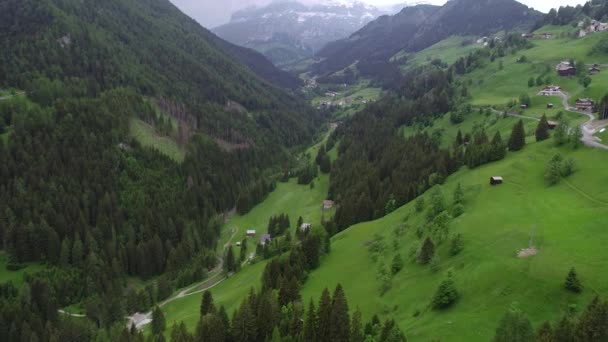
x=427 y=251
x=340 y=320
x=514 y=327
x=324 y=317
x=310 y=324
x=558 y=168
x=446 y=295
x=230 y=264
x=158 y=321
x=531 y=82
x=572 y=283
x=545 y=333
x=207 y=305
x=524 y=100
x=278 y=225
x=517 y=141
x=307 y=174
x=397 y=264
x=542 y=130
x=456 y=245
x=603 y=108
x=323 y=160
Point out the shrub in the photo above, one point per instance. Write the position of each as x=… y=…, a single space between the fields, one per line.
x=572 y=283
x=446 y=295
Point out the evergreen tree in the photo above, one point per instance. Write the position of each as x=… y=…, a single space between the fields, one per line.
x=458 y=194
x=518 y=137
x=459 y=139
x=514 y=327
x=592 y=323
x=446 y=294
x=427 y=251
x=572 y=283
x=498 y=148
x=210 y=328
x=340 y=320
x=356 y=331
x=310 y=324
x=564 y=330
x=158 y=321
x=397 y=264
x=324 y=317
x=456 y=245
x=207 y=305
x=545 y=333
x=229 y=262
x=243 y=252
x=542 y=130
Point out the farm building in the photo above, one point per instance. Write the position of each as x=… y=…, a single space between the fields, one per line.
x=546 y=35
x=550 y=106
x=496 y=180
x=552 y=124
x=584 y=104
x=565 y=69
x=523 y=106
x=251 y=232
x=265 y=238
x=550 y=90
x=305 y=227
x=327 y=204
x=528 y=35
x=594 y=70
x=238 y=244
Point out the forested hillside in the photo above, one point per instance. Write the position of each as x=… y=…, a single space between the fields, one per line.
x=80 y=195
x=418 y=27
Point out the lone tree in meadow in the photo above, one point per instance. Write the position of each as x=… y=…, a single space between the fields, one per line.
x=518 y=137
x=542 y=130
x=446 y=294
x=572 y=283
x=427 y=251
x=229 y=262
x=207 y=305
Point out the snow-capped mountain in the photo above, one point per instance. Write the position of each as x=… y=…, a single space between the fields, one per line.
x=289 y=31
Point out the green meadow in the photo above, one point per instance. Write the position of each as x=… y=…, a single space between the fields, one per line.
x=147 y=136
x=16 y=277
x=569 y=229
x=448 y=50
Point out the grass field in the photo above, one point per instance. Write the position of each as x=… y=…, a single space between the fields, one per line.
x=16 y=277
x=448 y=50
x=569 y=220
x=146 y=136
x=491 y=85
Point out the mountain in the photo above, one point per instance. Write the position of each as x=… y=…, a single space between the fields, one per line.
x=289 y=31
x=81 y=195
x=418 y=27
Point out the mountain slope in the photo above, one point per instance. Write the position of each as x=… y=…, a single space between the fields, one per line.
x=289 y=31
x=418 y=27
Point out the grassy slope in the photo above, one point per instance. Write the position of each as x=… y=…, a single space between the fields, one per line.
x=448 y=50
x=16 y=277
x=147 y=136
x=569 y=220
x=290 y=198
x=492 y=86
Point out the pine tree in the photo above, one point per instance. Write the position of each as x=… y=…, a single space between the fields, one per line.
x=542 y=130
x=572 y=283
x=324 y=317
x=310 y=324
x=210 y=328
x=158 y=321
x=514 y=327
x=592 y=323
x=229 y=263
x=207 y=305
x=456 y=245
x=446 y=294
x=498 y=150
x=356 y=331
x=545 y=333
x=243 y=252
x=458 y=194
x=427 y=251
x=340 y=321
x=518 y=137
x=564 y=331
x=397 y=264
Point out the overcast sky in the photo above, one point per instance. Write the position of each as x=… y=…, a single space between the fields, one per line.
x=212 y=13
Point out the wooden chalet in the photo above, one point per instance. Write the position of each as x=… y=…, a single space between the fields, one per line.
x=265 y=238
x=251 y=232
x=585 y=104
x=594 y=70
x=327 y=204
x=550 y=105
x=552 y=124
x=566 y=69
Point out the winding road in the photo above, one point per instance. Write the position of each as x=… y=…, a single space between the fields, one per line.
x=142 y=319
x=588 y=128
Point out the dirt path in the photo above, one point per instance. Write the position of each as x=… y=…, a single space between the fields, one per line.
x=142 y=319
x=588 y=128
x=513 y=114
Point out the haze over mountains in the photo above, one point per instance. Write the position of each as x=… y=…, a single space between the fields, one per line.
x=418 y=27
x=290 y=31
